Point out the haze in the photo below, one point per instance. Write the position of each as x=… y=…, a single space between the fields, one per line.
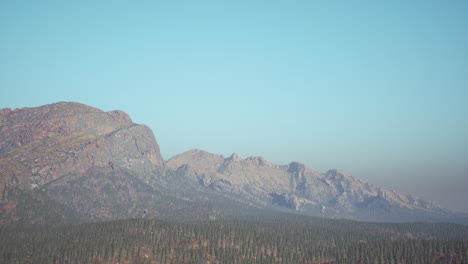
x=374 y=88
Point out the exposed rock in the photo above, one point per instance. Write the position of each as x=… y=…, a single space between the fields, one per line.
x=221 y=185
x=299 y=168
x=79 y=161
x=5 y=111
x=41 y=144
x=288 y=200
x=198 y=159
x=234 y=157
x=68 y=161
x=333 y=193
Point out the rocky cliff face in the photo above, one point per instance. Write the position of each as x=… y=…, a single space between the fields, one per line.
x=41 y=144
x=294 y=186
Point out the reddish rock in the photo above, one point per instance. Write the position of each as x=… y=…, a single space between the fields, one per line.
x=5 y=111
x=43 y=143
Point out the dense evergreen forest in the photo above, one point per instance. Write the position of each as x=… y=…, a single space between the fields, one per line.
x=274 y=239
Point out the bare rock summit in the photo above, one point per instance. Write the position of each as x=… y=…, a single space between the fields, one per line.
x=41 y=144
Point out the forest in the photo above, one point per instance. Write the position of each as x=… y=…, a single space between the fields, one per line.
x=277 y=238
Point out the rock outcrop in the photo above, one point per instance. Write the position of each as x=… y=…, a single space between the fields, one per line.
x=46 y=150
x=41 y=144
x=294 y=186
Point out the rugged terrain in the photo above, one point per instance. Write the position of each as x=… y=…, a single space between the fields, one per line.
x=80 y=160
x=294 y=186
x=41 y=144
x=71 y=162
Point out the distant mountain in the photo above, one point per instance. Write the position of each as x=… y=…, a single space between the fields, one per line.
x=69 y=162
x=294 y=186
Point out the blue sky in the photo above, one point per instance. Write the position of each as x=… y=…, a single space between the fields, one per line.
x=376 y=88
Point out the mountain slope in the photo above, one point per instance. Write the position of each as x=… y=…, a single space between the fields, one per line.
x=294 y=186
x=41 y=144
x=69 y=162
x=74 y=155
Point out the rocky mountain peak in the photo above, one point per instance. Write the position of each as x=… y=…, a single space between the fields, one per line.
x=195 y=153
x=260 y=161
x=120 y=117
x=195 y=150
x=234 y=157
x=5 y=111
x=51 y=111
x=43 y=143
x=296 y=167
x=335 y=173
x=295 y=186
x=197 y=159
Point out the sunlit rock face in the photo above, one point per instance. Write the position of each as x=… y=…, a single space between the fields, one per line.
x=294 y=186
x=41 y=144
x=65 y=161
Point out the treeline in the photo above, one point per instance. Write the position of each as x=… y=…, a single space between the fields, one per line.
x=273 y=240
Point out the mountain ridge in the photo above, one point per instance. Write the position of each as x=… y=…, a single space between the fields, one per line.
x=102 y=166
x=41 y=145
x=296 y=186
x=66 y=138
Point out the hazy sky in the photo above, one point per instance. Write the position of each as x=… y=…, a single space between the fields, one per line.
x=378 y=89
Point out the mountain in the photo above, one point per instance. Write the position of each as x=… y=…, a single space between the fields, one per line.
x=81 y=162
x=41 y=144
x=303 y=190
x=69 y=162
